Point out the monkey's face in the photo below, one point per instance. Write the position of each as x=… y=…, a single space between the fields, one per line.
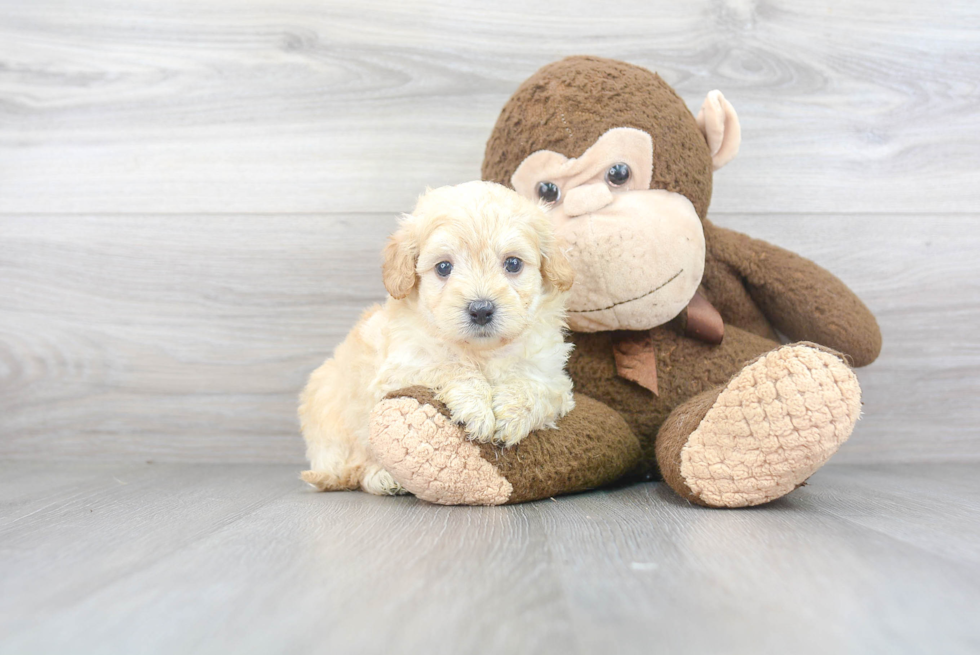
x=638 y=253
x=599 y=133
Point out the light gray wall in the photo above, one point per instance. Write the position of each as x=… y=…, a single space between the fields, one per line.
x=193 y=195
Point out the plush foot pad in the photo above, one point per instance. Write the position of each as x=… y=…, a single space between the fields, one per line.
x=771 y=427
x=430 y=456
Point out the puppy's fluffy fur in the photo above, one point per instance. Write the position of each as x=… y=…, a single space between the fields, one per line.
x=500 y=380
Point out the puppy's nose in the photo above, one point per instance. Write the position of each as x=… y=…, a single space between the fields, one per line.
x=481 y=311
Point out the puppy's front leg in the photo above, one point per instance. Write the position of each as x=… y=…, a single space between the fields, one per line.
x=522 y=406
x=470 y=402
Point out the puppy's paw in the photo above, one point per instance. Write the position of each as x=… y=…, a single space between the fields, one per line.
x=329 y=481
x=521 y=409
x=479 y=424
x=469 y=403
x=510 y=432
x=566 y=404
x=380 y=482
x=517 y=415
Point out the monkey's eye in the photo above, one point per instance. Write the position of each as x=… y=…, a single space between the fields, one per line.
x=443 y=269
x=549 y=191
x=618 y=174
x=513 y=265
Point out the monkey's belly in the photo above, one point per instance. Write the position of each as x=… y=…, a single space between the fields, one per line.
x=685 y=368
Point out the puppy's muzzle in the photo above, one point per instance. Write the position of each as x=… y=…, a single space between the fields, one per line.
x=481 y=312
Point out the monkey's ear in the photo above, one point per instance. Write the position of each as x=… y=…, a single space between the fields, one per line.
x=719 y=123
x=556 y=269
x=400 y=256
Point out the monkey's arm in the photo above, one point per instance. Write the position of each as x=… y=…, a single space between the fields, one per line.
x=802 y=300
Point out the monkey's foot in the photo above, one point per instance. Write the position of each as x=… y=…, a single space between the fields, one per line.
x=430 y=456
x=414 y=439
x=764 y=433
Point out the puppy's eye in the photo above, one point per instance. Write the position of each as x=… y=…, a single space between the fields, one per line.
x=513 y=265
x=618 y=174
x=443 y=269
x=548 y=191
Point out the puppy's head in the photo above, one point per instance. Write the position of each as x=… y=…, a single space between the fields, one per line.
x=482 y=261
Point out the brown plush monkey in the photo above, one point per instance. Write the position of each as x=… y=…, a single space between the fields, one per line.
x=677 y=363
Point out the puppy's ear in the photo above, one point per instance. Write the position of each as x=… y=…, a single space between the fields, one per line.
x=400 y=256
x=556 y=269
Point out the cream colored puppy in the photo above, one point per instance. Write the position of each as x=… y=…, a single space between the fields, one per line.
x=476 y=313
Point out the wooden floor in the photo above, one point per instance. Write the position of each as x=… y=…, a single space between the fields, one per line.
x=185 y=558
x=193 y=196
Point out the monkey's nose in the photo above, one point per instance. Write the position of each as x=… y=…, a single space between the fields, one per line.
x=587 y=199
x=481 y=312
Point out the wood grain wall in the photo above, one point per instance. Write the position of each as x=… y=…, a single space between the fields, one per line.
x=193 y=194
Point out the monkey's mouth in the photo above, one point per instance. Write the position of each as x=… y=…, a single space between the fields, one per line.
x=623 y=302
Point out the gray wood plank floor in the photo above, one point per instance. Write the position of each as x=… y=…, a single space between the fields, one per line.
x=184 y=558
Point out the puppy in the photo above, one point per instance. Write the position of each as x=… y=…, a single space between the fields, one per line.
x=476 y=312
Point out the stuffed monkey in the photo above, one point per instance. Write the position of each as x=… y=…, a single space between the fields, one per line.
x=678 y=368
